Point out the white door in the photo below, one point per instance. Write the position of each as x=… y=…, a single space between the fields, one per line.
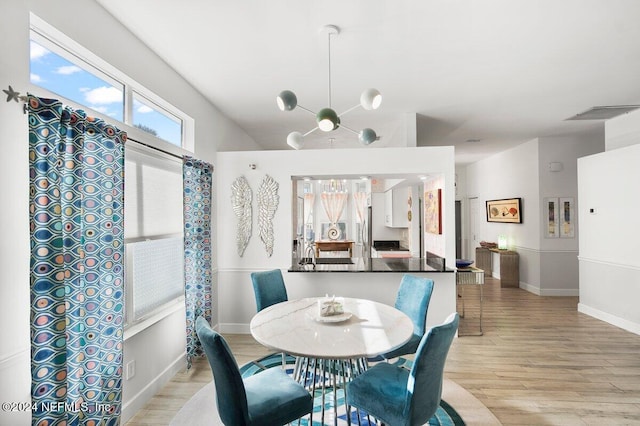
x=474 y=217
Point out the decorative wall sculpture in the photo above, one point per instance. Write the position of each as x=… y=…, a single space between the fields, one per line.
x=241 y=198
x=267 y=205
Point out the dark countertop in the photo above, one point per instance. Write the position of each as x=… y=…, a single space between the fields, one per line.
x=412 y=264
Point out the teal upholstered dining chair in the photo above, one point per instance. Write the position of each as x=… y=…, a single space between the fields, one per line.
x=269 y=288
x=399 y=397
x=270 y=397
x=413 y=299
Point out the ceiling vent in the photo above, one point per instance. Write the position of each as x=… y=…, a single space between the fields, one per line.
x=604 y=112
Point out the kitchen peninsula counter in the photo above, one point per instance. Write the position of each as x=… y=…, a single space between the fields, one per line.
x=412 y=264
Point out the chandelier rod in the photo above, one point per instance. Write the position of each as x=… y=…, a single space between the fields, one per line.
x=329 y=62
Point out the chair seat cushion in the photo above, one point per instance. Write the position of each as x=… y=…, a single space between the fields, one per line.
x=274 y=398
x=408 y=348
x=381 y=389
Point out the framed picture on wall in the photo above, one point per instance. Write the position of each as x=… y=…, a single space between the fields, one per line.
x=551 y=218
x=567 y=218
x=432 y=211
x=508 y=210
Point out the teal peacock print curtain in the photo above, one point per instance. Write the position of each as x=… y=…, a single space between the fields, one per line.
x=197 y=178
x=76 y=166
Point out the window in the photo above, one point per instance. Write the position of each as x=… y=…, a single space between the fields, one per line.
x=154 y=281
x=69 y=71
x=152 y=234
x=154 y=120
x=63 y=77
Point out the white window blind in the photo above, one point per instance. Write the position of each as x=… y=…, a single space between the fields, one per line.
x=155 y=268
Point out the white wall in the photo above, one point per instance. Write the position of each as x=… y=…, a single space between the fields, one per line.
x=92 y=27
x=236 y=293
x=510 y=174
x=547 y=266
x=559 y=256
x=610 y=236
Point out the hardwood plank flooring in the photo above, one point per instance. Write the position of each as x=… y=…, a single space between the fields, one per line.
x=539 y=362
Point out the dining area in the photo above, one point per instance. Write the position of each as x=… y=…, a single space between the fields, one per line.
x=335 y=360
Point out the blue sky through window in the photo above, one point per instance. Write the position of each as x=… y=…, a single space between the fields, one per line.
x=55 y=73
x=148 y=118
x=67 y=79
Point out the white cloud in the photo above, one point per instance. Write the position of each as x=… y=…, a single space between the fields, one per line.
x=35 y=78
x=102 y=109
x=103 y=95
x=143 y=109
x=68 y=70
x=36 y=51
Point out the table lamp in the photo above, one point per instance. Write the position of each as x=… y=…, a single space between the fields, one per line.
x=502 y=242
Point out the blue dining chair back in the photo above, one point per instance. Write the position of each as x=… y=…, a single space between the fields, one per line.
x=269 y=288
x=413 y=299
x=401 y=397
x=268 y=398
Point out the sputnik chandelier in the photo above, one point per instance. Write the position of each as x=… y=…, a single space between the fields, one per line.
x=327 y=118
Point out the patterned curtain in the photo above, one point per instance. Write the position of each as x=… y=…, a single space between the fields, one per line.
x=76 y=166
x=197 y=181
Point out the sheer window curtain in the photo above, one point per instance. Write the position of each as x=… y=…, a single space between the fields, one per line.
x=197 y=184
x=76 y=166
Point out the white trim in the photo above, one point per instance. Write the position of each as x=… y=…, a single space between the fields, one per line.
x=560 y=292
x=530 y=288
x=234 y=328
x=162 y=313
x=609 y=318
x=141 y=398
x=516 y=248
x=607 y=263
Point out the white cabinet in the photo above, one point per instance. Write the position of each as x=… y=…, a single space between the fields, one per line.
x=396 y=208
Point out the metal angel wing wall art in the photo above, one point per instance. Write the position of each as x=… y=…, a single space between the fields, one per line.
x=267 y=205
x=241 y=198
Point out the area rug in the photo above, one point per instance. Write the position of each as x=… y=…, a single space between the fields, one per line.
x=201 y=410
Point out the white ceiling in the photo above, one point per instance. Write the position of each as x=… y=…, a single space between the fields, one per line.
x=502 y=71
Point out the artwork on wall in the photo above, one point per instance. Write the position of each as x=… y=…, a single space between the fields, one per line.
x=432 y=211
x=241 y=199
x=551 y=218
x=508 y=210
x=567 y=218
x=268 y=200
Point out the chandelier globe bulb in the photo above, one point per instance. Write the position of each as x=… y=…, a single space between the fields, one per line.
x=327 y=119
x=287 y=100
x=367 y=136
x=370 y=99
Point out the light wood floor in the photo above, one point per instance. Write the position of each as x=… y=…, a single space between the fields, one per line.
x=539 y=362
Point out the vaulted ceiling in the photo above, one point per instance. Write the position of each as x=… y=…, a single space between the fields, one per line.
x=494 y=72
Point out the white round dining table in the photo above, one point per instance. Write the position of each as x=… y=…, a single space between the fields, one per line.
x=367 y=329
x=330 y=351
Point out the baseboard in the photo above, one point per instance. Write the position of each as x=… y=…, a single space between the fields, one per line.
x=530 y=288
x=130 y=408
x=234 y=328
x=611 y=319
x=557 y=292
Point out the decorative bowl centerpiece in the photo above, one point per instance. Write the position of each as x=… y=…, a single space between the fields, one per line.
x=463 y=263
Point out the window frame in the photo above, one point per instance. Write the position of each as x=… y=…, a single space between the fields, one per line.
x=60 y=44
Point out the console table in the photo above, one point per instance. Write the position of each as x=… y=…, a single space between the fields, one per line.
x=332 y=245
x=509 y=265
